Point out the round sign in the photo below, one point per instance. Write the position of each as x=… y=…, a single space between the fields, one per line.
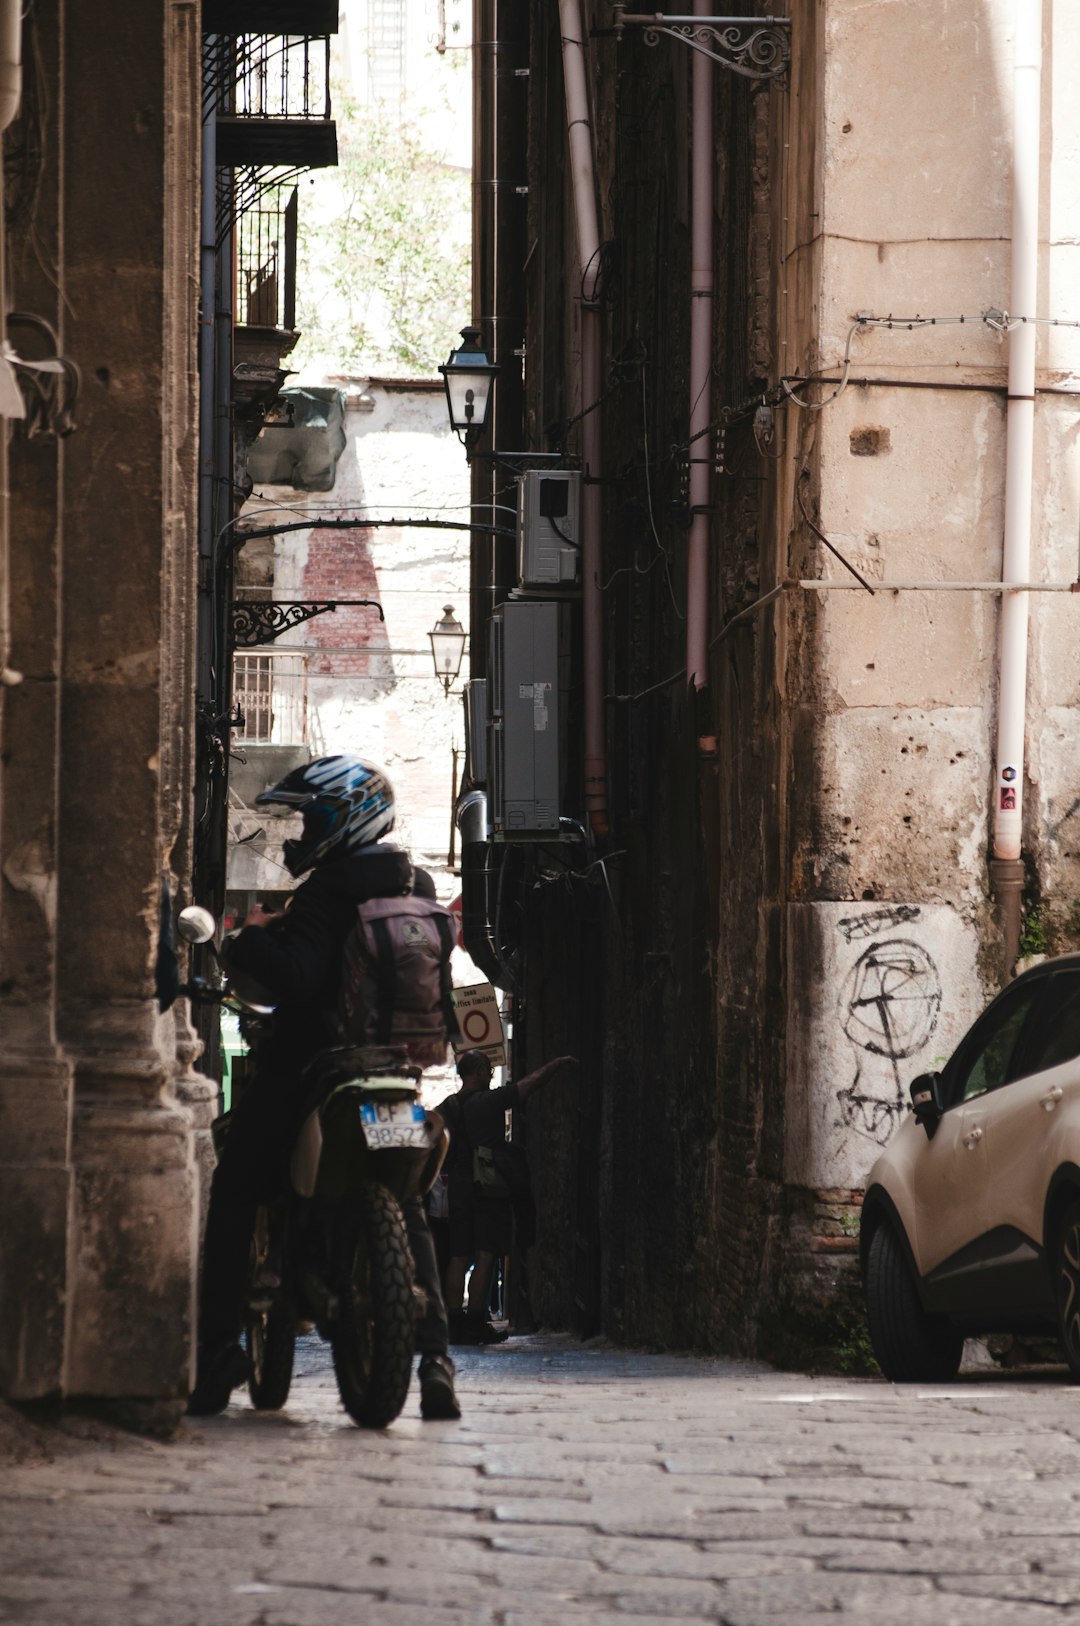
x=477 y=1028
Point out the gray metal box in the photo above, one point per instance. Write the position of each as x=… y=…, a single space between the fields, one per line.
x=549 y=527
x=476 y=724
x=524 y=741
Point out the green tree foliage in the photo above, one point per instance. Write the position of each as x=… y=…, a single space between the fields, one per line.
x=384 y=272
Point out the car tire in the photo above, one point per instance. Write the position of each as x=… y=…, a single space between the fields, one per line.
x=1067 y=1285
x=910 y=1345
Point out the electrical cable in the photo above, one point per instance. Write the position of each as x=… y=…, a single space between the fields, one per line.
x=820 y=534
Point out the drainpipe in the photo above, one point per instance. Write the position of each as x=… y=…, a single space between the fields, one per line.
x=579 y=133
x=477 y=912
x=1006 y=866
x=481 y=470
x=10 y=60
x=701 y=327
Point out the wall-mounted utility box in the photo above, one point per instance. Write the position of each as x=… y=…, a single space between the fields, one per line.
x=549 y=528
x=527 y=680
x=476 y=730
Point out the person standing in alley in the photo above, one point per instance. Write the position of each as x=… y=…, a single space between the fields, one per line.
x=481 y=1220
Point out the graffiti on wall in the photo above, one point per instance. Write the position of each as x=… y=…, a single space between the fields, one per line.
x=888 y=1007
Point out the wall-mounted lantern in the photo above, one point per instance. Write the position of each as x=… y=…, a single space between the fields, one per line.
x=468 y=374
x=447 y=647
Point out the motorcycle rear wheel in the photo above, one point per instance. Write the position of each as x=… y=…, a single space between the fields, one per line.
x=372 y=1341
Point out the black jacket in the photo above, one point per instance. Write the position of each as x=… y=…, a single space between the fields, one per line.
x=299 y=957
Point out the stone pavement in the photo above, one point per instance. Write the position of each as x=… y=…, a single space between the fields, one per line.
x=583 y=1484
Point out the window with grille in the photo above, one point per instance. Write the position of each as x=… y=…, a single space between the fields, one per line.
x=386 y=50
x=270 y=692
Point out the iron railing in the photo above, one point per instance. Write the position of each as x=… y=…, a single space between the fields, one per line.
x=268 y=76
x=266 y=261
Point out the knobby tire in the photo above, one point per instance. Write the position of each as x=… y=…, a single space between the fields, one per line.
x=375 y=1333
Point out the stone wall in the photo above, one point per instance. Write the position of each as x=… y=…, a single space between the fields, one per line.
x=100 y=1189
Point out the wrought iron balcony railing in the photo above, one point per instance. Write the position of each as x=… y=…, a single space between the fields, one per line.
x=266 y=261
x=270 y=96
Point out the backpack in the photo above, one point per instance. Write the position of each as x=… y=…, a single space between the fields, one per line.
x=395 y=980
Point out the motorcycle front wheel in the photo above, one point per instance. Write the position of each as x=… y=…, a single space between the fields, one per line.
x=270 y=1326
x=373 y=1337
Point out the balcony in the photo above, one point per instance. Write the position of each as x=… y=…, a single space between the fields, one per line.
x=270 y=16
x=270 y=99
x=265 y=300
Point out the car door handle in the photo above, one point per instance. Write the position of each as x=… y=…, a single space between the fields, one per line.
x=972 y=1138
x=1052 y=1097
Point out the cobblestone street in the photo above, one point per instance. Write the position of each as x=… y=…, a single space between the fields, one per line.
x=581 y=1484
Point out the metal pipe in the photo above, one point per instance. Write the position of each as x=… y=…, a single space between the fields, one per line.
x=10 y=60
x=481 y=472
x=579 y=134
x=1006 y=865
x=1019 y=433
x=477 y=930
x=509 y=222
x=701 y=327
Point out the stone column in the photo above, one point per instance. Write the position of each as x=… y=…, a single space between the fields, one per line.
x=35 y=1078
x=198 y=1093
x=129 y=72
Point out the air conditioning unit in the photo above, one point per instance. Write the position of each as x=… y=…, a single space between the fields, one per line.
x=526 y=692
x=549 y=528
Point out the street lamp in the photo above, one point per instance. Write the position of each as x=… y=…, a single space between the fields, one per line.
x=467 y=374
x=447 y=647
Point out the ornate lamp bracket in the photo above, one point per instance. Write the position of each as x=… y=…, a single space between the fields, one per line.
x=260 y=621
x=756 y=47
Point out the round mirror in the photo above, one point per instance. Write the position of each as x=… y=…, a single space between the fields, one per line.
x=195 y=924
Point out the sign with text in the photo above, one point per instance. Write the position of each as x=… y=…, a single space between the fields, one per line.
x=480 y=1022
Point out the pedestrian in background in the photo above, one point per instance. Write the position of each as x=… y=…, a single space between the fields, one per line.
x=480 y=1187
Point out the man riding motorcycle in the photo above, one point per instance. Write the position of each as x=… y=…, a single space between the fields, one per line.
x=347 y=806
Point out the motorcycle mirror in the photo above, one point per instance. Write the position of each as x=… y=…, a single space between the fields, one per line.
x=195 y=924
x=926 y=1101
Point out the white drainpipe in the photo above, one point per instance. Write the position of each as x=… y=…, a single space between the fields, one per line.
x=701 y=326
x=1019 y=434
x=10 y=60
x=579 y=132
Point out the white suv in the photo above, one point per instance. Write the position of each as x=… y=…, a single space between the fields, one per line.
x=971 y=1220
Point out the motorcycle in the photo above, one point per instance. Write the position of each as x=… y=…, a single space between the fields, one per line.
x=332 y=1249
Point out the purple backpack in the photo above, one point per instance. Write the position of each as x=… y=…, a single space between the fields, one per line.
x=395 y=983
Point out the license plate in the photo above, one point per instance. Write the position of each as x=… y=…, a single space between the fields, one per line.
x=393 y=1123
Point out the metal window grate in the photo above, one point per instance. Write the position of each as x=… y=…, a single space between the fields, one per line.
x=386 y=50
x=270 y=691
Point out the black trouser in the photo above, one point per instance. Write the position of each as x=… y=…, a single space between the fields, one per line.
x=250 y=1169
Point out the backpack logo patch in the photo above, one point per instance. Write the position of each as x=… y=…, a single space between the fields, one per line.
x=413 y=934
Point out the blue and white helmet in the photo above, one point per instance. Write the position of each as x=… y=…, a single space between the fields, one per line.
x=347 y=803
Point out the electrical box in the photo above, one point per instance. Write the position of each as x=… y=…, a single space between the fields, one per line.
x=526 y=693
x=549 y=528
x=476 y=730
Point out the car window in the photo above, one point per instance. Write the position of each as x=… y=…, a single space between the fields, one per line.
x=1057 y=1036
x=985 y=1061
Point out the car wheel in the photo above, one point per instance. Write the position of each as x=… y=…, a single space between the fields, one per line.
x=910 y=1345
x=1067 y=1285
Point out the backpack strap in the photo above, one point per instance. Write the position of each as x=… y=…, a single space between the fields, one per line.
x=385 y=980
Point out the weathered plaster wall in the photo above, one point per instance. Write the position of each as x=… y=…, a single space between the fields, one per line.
x=908 y=214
